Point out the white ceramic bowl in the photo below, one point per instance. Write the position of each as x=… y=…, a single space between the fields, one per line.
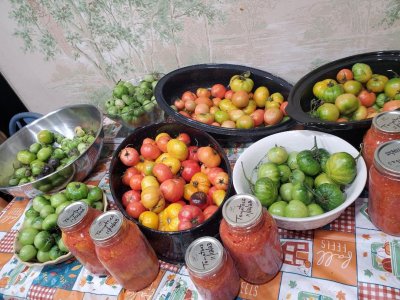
x=298 y=140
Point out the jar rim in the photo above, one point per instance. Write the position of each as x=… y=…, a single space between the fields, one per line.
x=72 y=215
x=106 y=226
x=387 y=158
x=242 y=211
x=387 y=121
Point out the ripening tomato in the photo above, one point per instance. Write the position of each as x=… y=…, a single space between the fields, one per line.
x=190 y=106
x=149 y=141
x=147 y=168
x=209 y=211
x=136 y=182
x=221 y=181
x=273 y=116
x=352 y=87
x=149 y=181
x=347 y=103
x=343 y=75
x=162 y=172
x=200 y=179
x=173 y=163
x=128 y=175
x=245 y=122
x=134 y=209
x=213 y=172
x=159 y=207
x=235 y=114
x=160 y=135
x=218 y=197
x=367 y=98
x=218 y=90
x=208 y=156
x=150 y=151
x=189 y=190
x=189 y=168
x=162 y=143
x=129 y=156
x=130 y=196
x=228 y=94
x=391 y=105
x=228 y=124
x=185 y=114
x=283 y=107
x=206 y=118
x=203 y=92
x=261 y=95
x=250 y=108
x=377 y=83
x=216 y=101
x=179 y=104
x=360 y=114
x=188 y=95
x=184 y=137
x=240 y=99
x=201 y=108
x=258 y=117
x=172 y=189
x=204 y=100
x=214 y=109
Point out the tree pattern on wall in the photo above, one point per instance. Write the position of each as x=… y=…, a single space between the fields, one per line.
x=117 y=37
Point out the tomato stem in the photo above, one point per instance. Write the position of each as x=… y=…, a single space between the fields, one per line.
x=248 y=180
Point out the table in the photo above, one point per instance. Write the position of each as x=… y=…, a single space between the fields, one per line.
x=347 y=259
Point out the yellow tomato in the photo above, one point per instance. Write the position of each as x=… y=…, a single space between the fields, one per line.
x=177 y=149
x=149 y=181
x=150 y=196
x=161 y=135
x=173 y=163
x=250 y=108
x=226 y=105
x=261 y=95
x=162 y=157
x=140 y=166
x=277 y=97
x=218 y=196
x=168 y=218
x=159 y=207
x=188 y=191
x=200 y=178
x=271 y=104
x=149 y=219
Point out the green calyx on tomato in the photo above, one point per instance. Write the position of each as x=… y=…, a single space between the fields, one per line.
x=241 y=82
x=327 y=90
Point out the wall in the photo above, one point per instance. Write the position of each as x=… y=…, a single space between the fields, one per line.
x=56 y=53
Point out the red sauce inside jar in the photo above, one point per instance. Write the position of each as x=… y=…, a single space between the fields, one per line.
x=124 y=251
x=250 y=234
x=385 y=127
x=74 y=222
x=212 y=270
x=384 y=188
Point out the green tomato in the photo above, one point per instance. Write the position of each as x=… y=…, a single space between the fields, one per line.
x=266 y=191
x=39 y=202
x=22 y=172
x=327 y=90
x=50 y=222
x=62 y=206
x=28 y=221
x=27 y=236
x=322 y=156
x=300 y=193
x=45 y=136
x=77 y=190
x=297 y=176
x=95 y=194
x=55 y=252
x=284 y=173
x=120 y=90
x=58 y=153
x=221 y=116
x=309 y=182
x=44 y=153
x=285 y=191
x=269 y=170
x=241 y=82
x=128 y=100
x=31 y=213
x=307 y=163
x=296 y=209
x=46 y=210
x=57 y=199
x=13 y=181
x=278 y=208
x=61 y=245
x=27 y=253
x=341 y=167
x=328 y=112
x=314 y=210
x=329 y=196
x=392 y=87
x=43 y=256
x=361 y=72
x=37 y=223
x=277 y=155
x=98 y=205
x=322 y=178
x=44 y=241
x=37 y=167
x=25 y=157
x=292 y=160
x=381 y=99
x=35 y=147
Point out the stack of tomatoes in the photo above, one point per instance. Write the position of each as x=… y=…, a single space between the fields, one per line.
x=173 y=185
x=237 y=107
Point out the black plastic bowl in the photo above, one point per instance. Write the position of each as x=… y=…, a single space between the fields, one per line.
x=382 y=62
x=169 y=246
x=174 y=84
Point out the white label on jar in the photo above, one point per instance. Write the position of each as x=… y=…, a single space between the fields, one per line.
x=389 y=122
x=205 y=256
x=72 y=214
x=106 y=225
x=241 y=210
x=389 y=156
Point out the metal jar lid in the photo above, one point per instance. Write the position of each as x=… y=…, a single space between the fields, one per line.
x=72 y=214
x=204 y=255
x=387 y=158
x=242 y=210
x=106 y=225
x=388 y=121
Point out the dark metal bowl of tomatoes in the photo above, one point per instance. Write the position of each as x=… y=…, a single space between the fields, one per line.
x=128 y=166
x=350 y=75
x=192 y=79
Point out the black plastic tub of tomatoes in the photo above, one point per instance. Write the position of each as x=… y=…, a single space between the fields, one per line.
x=171 y=180
x=231 y=102
x=342 y=97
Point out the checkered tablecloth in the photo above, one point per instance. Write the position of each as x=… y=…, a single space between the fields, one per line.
x=345 y=260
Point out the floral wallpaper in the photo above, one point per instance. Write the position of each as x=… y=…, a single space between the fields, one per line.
x=56 y=53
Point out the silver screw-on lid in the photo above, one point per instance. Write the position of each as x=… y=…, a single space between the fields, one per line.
x=387 y=157
x=242 y=210
x=106 y=225
x=204 y=255
x=72 y=214
x=388 y=121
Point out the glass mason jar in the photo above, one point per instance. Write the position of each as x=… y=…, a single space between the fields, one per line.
x=212 y=270
x=74 y=222
x=384 y=188
x=124 y=251
x=250 y=234
x=385 y=127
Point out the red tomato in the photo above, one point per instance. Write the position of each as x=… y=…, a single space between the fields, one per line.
x=136 y=182
x=150 y=151
x=162 y=172
x=190 y=105
x=184 y=137
x=190 y=216
x=129 y=156
x=209 y=211
x=179 y=104
x=391 y=105
x=204 y=100
x=189 y=168
x=188 y=95
x=201 y=108
x=203 y=92
x=208 y=156
x=218 y=90
x=343 y=75
x=258 y=117
x=273 y=116
x=130 y=196
x=162 y=143
x=366 y=98
x=228 y=94
x=193 y=153
x=213 y=172
x=128 y=175
x=221 y=181
x=283 y=107
x=240 y=99
x=149 y=141
x=134 y=209
x=172 y=189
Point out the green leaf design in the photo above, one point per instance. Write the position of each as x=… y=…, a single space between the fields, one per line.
x=368 y=273
x=292 y=284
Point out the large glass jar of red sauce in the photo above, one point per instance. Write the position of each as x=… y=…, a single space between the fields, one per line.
x=385 y=127
x=124 y=251
x=74 y=222
x=212 y=270
x=250 y=234
x=384 y=188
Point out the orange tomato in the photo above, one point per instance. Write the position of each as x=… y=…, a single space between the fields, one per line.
x=188 y=191
x=343 y=75
x=188 y=95
x=203 y=92
x=208 y=156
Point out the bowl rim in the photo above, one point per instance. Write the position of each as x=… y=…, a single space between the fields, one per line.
x=294 y=108
x=215 y=129
x=224 y=159
x=28 y=126
x=340 y=208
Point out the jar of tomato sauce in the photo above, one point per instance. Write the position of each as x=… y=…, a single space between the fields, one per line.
x=124 y=251
x=250 y=234
x=384 y=188
x=385 y=127
x=212 y=270
x=74 y=222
